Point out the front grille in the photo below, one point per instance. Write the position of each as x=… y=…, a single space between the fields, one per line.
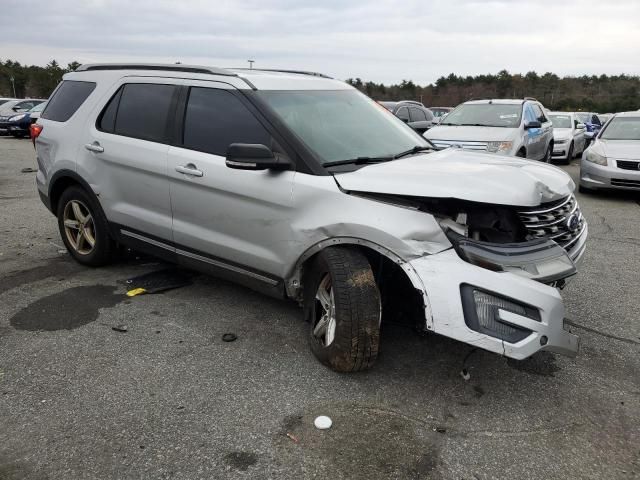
x=628 y=164
x=619 y=182
x=555 y=221
x=467 y=145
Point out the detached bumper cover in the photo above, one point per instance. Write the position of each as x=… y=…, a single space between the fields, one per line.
x=441 y=278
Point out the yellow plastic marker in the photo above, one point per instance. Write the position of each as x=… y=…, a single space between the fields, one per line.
x=136 y=291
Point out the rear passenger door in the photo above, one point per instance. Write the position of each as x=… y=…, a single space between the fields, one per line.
x=235 y=221
x=124 y=156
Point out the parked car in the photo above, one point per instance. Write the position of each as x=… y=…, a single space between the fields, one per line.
x=439 y=113
x=4 y=100
x=568 y=136
x=12 y=107
x=414 y=114
x=18 y=124
x=507 y=127
x=299 y=186
x=613 y=160
x=592 y=123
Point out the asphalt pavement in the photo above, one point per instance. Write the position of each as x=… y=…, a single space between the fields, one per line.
x=168 y=399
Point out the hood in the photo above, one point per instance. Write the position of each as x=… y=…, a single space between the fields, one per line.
x=562 y=133
x=480 y=134
x=465 y=175
x=621 y=148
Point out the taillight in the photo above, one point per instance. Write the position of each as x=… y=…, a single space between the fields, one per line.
x=34 y=131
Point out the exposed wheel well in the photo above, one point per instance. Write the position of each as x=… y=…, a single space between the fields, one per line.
x=59 y=185
x=401 y=302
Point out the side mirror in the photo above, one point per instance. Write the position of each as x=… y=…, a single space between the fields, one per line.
x=534 y=124
x=254 y=156
x=16 y=108
x=581 y=126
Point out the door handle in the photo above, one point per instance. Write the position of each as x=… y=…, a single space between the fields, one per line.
x=189 y=169
x=94 y=147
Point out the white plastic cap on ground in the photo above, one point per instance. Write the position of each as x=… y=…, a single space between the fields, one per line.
x=322 y=422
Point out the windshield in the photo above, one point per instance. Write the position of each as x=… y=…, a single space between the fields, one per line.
x=560 y=121
x=439 y=112
x=485 y=115
x=39 y=107
x=622 y=128
x=341 y=124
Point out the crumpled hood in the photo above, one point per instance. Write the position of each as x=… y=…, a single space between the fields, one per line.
x=480 y=134
x=562 y=133
x=621 y=148
x=465 y=175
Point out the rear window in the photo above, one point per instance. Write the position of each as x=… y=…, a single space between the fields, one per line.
x=139 y=110
x=67 y=99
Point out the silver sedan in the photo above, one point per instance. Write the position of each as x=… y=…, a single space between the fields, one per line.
x=613 y=160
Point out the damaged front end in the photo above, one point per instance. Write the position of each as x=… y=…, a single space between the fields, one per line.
x=495 y=288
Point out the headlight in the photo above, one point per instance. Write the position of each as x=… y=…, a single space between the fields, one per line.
x=499 y=147
x=594 y=157
x=15 y=118
x=560 y=140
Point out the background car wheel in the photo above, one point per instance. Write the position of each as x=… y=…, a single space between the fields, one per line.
x=586 y=190
x=83 y=228
x=342 y=305
x=521 y=153
x=547 y=155
x=570 y=154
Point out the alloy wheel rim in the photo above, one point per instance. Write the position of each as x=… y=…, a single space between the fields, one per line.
x=325 y=327
x=79 y=227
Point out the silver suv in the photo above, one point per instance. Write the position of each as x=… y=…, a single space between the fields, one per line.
x=299 y=186
x=508 y=127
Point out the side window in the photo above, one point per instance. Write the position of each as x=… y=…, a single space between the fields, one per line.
x=215 y=119
x=403 y=113
x=66 y=100
x=596 y=120
x=529 y=115
x=139 y=110
x=429 y=114
x=539 y=113
x=417 y=115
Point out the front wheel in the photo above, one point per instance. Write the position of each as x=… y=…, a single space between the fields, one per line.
x=548 y=153
x=570 y=155
x=342 y=305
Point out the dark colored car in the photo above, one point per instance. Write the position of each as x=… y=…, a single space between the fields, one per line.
x=414 y=114
x=18 y=124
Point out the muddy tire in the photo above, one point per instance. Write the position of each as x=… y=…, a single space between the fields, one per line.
x=84 y=228
x=342 y=306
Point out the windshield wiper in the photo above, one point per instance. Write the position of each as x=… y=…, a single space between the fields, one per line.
x=416 y=149
x=357 y=161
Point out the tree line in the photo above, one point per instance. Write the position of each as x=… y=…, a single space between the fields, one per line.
x=604 y=93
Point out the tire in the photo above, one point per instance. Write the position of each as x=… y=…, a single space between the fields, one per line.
x=345 y=276
x=521 y=153
x=548 y=154
x=84 y=228
x=585 y=190
x=570 y=155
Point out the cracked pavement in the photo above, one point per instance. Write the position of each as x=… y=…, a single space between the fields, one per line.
x=169 y=399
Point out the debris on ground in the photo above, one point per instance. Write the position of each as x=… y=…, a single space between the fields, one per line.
x=120 y=328
x=29 y=170
x=293 y=437
x=158 y=281
x=464 y=373
x=322 y=422
x=229 y=337
x=440 y=429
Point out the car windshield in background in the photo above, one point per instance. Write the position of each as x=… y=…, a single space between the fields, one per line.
x=582 y=117
x=341 y=124
x=622 y=128
x=38 y=108
x=438 y=112
x=485 y=115
x=560 y=121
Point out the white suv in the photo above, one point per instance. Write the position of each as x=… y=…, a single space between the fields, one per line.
x=299 y=186
x=508 y=127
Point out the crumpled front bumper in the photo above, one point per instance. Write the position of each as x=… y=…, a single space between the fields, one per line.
x=441 y=278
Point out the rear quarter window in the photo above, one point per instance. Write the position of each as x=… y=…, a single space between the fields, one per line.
x=67 y=99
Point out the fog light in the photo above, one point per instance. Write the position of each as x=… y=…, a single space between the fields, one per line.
x=481 y=314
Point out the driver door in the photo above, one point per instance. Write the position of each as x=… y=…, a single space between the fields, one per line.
x=236 y=221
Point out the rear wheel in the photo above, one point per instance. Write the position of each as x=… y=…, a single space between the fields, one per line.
x=342 y=305
x=83 y=228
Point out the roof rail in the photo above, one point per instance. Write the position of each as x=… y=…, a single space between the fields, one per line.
x=531 y=98
x=300 y=72
x=171 y=67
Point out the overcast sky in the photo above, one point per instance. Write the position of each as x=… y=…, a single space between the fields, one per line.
x=384 y=41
